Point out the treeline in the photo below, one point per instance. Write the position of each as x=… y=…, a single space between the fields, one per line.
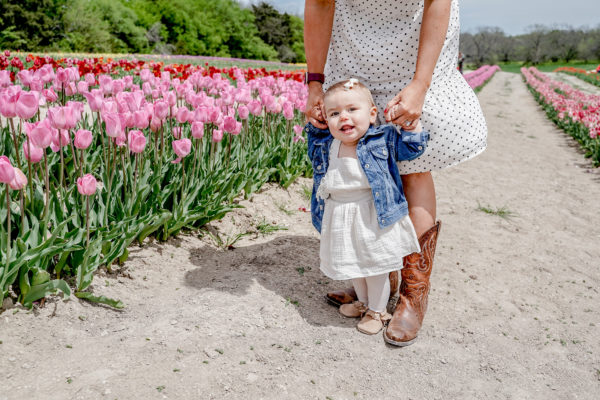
x=220 y=28
x=540 y=44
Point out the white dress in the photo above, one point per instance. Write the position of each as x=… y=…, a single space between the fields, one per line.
x=376 y=42
x=352 y=243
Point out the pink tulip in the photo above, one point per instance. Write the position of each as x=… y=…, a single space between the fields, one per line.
x=298 y=138
x=95 y=99
x=7 y=171
x=83 y=139
x=155 y=124
x=19 y=181
x=86 y=185
x=161 y=109
x=27 y=105
x=36 y=153
x=243 y=112
x=182 y=148
x=60 y=117
x=113 y=124
x=41 y=135
x=62 y=75
x=8 y=105
x=298 y=129
x=288 y=110
x=182 y=115
x=217 y=135
x=60 y=138
x=25 y=76
x=90 y=79
x=255 y=107
x=50 y=95
x=82 y=87
x=229 y=124
x=137 y=141
x=5 y=78
x=177 y=132
x=197 y=130
x=140 y=119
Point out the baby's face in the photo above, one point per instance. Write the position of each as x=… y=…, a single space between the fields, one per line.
x=349 y=114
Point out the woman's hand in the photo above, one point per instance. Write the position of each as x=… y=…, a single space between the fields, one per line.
x=406 y=107
x=315 y=110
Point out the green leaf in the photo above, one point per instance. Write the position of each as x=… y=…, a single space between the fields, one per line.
x=41 y=291
x=100 y=299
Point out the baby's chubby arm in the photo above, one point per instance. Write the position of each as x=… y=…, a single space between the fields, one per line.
x=409 y=144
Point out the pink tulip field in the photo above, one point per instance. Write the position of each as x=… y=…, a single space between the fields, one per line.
x=89 y=164
x=478 y=78
x=575 y=112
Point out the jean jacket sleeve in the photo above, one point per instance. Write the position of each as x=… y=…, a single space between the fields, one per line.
x=408 y=145
x=315 y=136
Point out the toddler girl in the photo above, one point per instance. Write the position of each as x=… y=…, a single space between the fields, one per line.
x=358 y=204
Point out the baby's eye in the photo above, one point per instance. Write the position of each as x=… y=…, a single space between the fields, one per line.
x=334 y=114
x=352 y=109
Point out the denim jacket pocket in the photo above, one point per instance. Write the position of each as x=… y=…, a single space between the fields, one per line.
x=380 y=155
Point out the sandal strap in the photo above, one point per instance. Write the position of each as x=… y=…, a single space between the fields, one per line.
x=384 y=316
x=360 y=306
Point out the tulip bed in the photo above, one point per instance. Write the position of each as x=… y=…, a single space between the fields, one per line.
x=575 y=112
x=481 y=76
x=96 y=156
x=590 y=77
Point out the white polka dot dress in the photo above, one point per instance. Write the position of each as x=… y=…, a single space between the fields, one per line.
x=377 y=42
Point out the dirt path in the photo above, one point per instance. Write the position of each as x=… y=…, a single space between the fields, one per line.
x=514 y=312
x=577 y=83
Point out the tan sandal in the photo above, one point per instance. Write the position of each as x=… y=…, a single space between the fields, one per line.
x=373 y=322
x=353 y=310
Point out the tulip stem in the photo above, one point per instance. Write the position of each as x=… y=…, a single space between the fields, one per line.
x=62 y=164
x=14 y=136
x=8 y=235
x=182 y=182
x=29 y=169
x=47 y=180
x=87 y=220
x=21 y=192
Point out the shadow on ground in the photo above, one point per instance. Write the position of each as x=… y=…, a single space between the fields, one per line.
x=286 y=265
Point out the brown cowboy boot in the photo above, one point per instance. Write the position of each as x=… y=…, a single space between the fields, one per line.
x=412 y=303
x=348 y=295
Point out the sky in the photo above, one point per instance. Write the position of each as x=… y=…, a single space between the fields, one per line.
x=512 y=16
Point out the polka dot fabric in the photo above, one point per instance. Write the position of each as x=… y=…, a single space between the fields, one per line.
x=377 y=42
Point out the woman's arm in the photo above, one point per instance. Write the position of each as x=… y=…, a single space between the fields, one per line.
x=318 y=22
x=407 y=105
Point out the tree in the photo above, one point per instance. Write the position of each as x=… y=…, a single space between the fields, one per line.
x=532 y=43
x=30 y=24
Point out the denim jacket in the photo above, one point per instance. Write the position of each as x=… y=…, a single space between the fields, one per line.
x=377 y=151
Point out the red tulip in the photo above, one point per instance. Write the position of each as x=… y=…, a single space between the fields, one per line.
x=86 y=185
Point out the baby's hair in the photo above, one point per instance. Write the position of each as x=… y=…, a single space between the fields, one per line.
x=350 y=84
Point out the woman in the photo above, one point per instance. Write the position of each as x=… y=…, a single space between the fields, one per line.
x=405 y=52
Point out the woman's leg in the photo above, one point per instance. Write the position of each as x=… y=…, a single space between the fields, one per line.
x=420 y=195
x=410 y=309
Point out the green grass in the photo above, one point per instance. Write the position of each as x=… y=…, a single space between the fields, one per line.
x=515 y=66
x=502 y=212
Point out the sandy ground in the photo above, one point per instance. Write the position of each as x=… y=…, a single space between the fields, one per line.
x=514 y=311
